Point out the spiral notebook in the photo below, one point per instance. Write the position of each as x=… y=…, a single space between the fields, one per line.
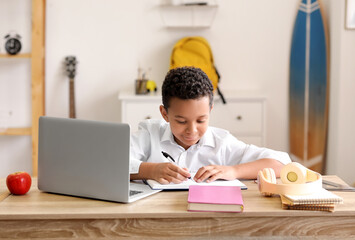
x=288 y=205
x=322 y=200
x=320 y=197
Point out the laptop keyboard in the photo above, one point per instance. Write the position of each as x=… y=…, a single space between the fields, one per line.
x=134 y=192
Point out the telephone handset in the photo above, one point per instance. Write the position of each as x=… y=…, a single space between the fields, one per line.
x=296 y=180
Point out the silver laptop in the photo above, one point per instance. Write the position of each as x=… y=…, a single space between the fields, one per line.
x=87 y=159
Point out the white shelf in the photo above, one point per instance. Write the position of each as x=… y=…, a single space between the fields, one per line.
x=182 y=16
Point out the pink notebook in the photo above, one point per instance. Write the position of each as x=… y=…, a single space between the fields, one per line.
x=215 y=199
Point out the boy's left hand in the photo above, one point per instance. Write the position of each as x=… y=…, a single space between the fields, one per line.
x=213 y=172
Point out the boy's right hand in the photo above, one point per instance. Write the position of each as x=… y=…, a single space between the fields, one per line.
x=166 y=173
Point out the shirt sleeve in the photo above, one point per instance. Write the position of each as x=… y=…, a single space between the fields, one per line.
x=140 y=147
x=253 y=153
x=238 y=152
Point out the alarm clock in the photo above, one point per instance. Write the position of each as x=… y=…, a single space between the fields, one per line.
x=12 y=43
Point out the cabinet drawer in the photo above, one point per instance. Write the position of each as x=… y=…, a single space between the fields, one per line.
x=238 y=117
x=135 y=112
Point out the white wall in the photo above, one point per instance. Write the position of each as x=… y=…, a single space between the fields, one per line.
x=341 y=145
x=250 y=40
x=15 y=85
x=111 y=38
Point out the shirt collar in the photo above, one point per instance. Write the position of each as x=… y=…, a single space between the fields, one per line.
x=167 y=135
x=206 y=140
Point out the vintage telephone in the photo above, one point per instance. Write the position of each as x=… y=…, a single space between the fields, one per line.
x=296 y=180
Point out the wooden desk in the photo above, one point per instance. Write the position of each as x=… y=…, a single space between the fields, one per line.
x=43 y=215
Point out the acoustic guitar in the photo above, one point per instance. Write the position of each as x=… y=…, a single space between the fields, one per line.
x=70 y=63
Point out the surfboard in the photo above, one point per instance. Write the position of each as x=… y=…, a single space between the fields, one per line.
x=309 y=86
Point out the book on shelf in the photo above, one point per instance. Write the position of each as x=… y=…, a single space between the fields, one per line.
x=215 y=199
x=189 y=182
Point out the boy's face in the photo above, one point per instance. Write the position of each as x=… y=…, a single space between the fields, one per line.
x=188 y=119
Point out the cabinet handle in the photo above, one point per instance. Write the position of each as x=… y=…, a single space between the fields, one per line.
x=239 y=117
x=148 y=117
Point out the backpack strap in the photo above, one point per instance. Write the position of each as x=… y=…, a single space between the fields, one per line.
x=204 y=41
x=218 y=90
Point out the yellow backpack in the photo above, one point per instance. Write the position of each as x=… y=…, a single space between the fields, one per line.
x=196 y=52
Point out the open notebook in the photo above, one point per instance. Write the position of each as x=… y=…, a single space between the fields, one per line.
x=185 y=185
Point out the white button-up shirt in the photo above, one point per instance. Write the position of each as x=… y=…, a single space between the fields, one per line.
x=216 y=147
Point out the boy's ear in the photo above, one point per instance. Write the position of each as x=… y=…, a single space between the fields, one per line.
x=164 y=113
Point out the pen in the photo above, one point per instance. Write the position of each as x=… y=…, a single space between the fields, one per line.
x=167 y=156
x=171 y=158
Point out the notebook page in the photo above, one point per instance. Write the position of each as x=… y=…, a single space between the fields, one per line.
x=185 y=185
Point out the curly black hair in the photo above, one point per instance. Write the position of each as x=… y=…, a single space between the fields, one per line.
x=186 y=83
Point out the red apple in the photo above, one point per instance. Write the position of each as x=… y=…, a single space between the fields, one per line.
x=18 y=183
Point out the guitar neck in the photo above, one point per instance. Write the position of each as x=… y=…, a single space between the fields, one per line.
x=70 y=63
x=71 y=99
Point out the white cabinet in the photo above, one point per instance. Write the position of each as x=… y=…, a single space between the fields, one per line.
x=243 y=115
x=136 y=108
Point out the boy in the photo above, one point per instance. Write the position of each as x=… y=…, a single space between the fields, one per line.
x=167 y=151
